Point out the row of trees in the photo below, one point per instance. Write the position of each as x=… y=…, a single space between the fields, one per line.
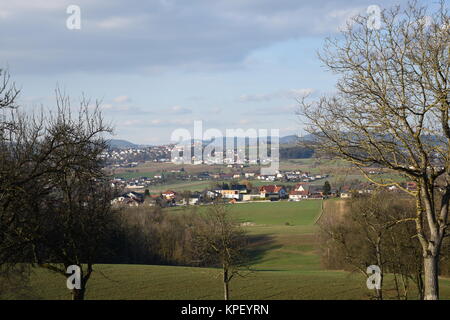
x=371 y=232
x=211 y=238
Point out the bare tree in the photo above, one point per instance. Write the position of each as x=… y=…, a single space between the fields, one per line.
x=11 y=273
x=55 y=206
x=219 y=240
x=392 y=109
x=369 y=234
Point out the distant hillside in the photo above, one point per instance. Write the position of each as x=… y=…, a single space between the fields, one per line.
x=286 y=140
x=296 y=152
x=292 y=139
x=121 y=144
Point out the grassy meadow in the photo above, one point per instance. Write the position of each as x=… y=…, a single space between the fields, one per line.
x=285 y=265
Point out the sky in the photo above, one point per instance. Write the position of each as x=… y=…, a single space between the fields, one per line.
x=160 y=65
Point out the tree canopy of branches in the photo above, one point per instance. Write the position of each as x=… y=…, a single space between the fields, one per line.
x=392 y=109
x=369 y=234
x=55 y=206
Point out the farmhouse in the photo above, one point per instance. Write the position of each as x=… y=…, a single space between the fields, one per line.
x=169 y=194
x=241 y=187
x=411 y=186
x=299 y=192
x=230 y=194
x=250 y=197
x=194 y=199
x=272 y=192
x=129 y=199
x=213 y=194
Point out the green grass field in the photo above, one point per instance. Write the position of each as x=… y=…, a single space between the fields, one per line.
x=285 y=265
x=160 y=282
x=278 y=213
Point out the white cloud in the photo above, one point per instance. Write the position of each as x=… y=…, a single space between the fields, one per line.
x=159 y=35
x=116 y=23
x=244 y=121
x=114 y=107
x=284 y=94
x=122 y=99
x=298 y=93
x=257 y=97
x=170 y=122
x=152 y=123
x=179 y=110
x=132 y=123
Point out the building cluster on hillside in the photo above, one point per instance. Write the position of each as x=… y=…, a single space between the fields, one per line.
x=228 y=193
x=234 y=193
x=227 y=156
x=131 y=157
x=295 y=176
x=180 y=175
x=349 y=191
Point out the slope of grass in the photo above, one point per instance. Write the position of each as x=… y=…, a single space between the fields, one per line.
x=285 y=266
x=301 y=213
x=175 y=283
x=274 y=214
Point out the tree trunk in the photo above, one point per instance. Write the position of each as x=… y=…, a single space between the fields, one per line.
x=420 y=285
x=380 y=265
x=397 y=287
x=225 y=284
x=78 y=294
x=431 y=281
x=225 y=289
x=405 y=284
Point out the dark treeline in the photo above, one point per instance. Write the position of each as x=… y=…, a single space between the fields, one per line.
x=207 y=239
x=296 y=152
x=147 y=235
x=151 y=235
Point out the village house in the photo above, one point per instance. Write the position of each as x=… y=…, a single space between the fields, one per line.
x=169 y=195
x=249 y=175
x=315 y=192
x=411 y=186
x=250 y=197
x=132 y=199
x=272 y=192
x=226 y=176
x=152 y=200
x=193 y=199
x=230 y=194
x=213 y=194
x=267 y=177
x=299 y=192
x=241 y=187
